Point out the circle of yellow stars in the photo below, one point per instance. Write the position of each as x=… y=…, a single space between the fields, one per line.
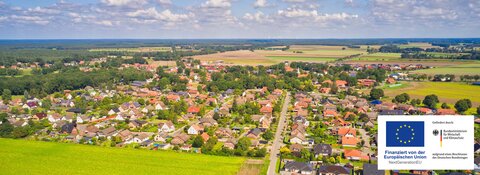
x=408 y=127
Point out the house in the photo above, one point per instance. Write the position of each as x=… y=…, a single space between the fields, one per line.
x=207 y=122
x=296 y=148
x=83 y=119
x=333 y=170
x=390 y=81
x=372 y=169
x=39 y=116
x=298 y=167
x=69 y=128
x=391 y=112
x=161 y=137
x=254 y=133
x=349 y=141
x=298 y=138
x=425 y=111
x=193 y=110
x=347 y=131
x=107 y=132
x=445 y=112
x=224 y=133
x=137 y=123
x=352 y=154
x=325 y=90
x=205 y=136
x=166 y=127
x=125 y=135
x=322 y=149
x=266 y=110
x=52 y=118
x=113 y=111
x=141 y=137
x=195 y=129
x=180 y=139
x=330 y=113
x=230 y=144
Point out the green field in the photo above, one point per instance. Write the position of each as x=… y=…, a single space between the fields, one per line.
x=449 y=92
x=35 y=157
x=292 y=58
x=379 y=57
x=460 y=69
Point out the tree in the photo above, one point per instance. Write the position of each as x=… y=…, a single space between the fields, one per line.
x=415 y=102
x=463 y=105
x=268 y=135
x=243 y=144
x=7 y=95
x=431 y=101
x=376 y=94
x=197 y=142
x=402 y=98
x=20 y=132
x=445 y=106
x=216 y=116
x=478 y=110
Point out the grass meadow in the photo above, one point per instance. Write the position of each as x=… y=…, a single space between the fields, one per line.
x=35 y=157
x=460 y=69
x=449 y=92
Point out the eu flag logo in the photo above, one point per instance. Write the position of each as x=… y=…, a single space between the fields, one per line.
x=405 y=134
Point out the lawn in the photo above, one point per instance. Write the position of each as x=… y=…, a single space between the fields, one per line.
x=35 y=157
x=449 y=92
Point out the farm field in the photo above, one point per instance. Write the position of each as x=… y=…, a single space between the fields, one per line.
x=449 y=92
x=418 y=45
x=379 y=57
x=310 y=53
x=35 y=157
x=461 y=69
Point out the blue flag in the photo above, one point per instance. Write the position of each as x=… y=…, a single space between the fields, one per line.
x=405 y=134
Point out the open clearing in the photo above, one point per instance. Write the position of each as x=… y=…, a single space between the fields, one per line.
x=35 y=157
x=418 y=45
x=449 y=92
x=459 y=69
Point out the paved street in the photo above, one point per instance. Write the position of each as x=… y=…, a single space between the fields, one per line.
x=277 y=141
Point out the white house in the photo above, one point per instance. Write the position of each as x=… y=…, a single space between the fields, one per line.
x=195 y=129
x=166 y=127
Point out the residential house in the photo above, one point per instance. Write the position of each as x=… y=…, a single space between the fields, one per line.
x=254 y=133
x=298 y=167
x=137 y=123
x=195 y=129
x=166 y=127
x=445 y=112
x=353 y=154
x=371 y=169
x=180 y=139
x=322 y=150
x=333 y=170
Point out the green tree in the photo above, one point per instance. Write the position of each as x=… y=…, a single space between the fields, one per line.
x=376 y=94
x=402 y=98
x=197 y=142
x=478 y=110
x=431 y=101
x=445 y=106
x=7 y=95
x=243 y=144
x=415 y=102
x=20 y=132
x=268 y=135
x=463 y=105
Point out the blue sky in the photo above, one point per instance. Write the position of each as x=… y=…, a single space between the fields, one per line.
x=158 y=19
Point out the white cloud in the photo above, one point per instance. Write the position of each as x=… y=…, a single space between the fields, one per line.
x=44 y=10
x=217 y=4
x=293 y=13
x=105 y=23
x=124 y=2
x=259 y=17
x=164 y=2
x=260 y=3
x=151 y=14
x=29 y=19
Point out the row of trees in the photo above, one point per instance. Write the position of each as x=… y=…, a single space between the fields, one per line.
x=42 y=85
